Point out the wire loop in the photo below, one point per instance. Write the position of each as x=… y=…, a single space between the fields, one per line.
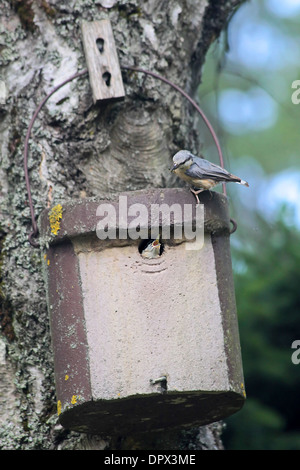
x=34 y=232
x=234 y=226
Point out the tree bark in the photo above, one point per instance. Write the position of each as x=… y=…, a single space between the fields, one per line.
x=81 y=149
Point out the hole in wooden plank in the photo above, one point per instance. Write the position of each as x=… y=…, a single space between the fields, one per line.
x=106 y=77
x=100 y=45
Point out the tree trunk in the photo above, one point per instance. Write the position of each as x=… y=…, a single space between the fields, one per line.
x=81 y=149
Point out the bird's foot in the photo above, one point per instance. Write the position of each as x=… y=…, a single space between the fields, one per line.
x=196 y=194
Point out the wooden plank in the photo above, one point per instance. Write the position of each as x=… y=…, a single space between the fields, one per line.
x=102 y=60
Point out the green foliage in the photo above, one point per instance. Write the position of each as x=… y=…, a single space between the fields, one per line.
x=274 y=146
x=267 y=282
x=246 y=63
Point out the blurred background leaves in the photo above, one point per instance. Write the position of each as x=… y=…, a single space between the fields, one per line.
x=246 y=92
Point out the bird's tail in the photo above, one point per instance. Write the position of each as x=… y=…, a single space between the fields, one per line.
x=236 y=179
x=244 y=183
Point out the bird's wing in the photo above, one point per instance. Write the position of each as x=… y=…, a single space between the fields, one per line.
x=195 y=172
x=203 y=169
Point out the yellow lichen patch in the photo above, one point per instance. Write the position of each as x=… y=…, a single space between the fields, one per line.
x=66 y=377
x=55 y=215
x=243 y=390
x=74 y=400
x=58 y=407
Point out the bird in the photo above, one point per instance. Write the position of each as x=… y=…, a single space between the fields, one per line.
x=151 y=249
x=200 y=173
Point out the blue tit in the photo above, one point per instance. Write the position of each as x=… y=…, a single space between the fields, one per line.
x=201 y=174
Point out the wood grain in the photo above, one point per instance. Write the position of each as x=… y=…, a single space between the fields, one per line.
x=102 y=60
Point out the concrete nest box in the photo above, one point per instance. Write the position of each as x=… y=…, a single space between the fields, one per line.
x=141 y=344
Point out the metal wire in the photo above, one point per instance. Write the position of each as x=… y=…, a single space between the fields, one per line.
x=34 y=232
x=234 y=226
x=180 y=90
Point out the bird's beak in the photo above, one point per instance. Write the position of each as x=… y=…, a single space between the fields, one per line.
x=174 y=167
x=156 y=241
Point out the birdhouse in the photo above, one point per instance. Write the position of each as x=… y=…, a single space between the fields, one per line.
x=142 y=344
